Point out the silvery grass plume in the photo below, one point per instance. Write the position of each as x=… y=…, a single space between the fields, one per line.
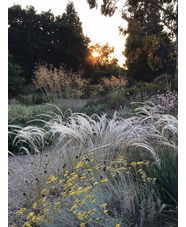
x=79 y=133
x=148 y=127
x=166 y=125
x=90 y=133
x=31 y=135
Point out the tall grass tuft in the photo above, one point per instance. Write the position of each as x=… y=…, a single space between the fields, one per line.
x=58 y=83
x=113 y=84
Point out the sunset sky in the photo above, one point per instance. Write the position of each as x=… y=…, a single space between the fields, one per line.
x=98 y=28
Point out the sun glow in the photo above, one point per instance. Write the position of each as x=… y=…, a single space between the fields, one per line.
x=95 y=54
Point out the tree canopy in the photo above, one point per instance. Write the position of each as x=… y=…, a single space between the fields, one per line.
x=151 y=44
x=105 y=55
x=43 y=38
x=103 y=62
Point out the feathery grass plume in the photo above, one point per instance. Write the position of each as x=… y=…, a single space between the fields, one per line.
x=88 y=132
x=165 y=125
x=74 y=130
x=57 y=83
x=31 y=135
x=113 y=84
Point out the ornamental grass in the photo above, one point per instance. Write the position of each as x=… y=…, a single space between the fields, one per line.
x=93 y=172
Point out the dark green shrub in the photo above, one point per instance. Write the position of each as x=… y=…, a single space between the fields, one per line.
x=142 y=91
x=93 y=91
x=32 y=99
x=15 y=79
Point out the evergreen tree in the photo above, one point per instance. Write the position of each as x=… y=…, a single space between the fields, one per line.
x=71 y=44
x=146 y=45
x=15 y=79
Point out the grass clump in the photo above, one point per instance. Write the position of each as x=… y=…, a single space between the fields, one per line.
x=57 y=83
x=99 y=177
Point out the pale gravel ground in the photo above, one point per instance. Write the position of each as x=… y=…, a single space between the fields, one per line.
x=25 y=180
x=15 y=195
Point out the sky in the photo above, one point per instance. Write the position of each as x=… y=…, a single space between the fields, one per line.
x=97 y=27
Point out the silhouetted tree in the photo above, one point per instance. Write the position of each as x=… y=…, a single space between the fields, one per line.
x=70 y=44
x=15 y=79
x=43 y=38
x=148 y=47
x=105 y=64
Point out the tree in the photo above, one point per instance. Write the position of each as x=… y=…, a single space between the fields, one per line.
x=24 y=38
x=105 y=55
x=136 y=12
x=102 y=62
x=151 y=18
x=15 y=80
x=43 y=38
x=167 y=8
x=147 y=45
x=70 y=45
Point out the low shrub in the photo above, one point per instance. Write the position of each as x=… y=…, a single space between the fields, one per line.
x=94 y=91
x=20 y=114
x=121 y=97
x=142 y=91
x=32 y=99
x=168 y=102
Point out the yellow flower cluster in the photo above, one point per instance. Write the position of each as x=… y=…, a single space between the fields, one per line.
x=104 y=181
x=21 y=211
x=149 y=179
x=76 y=190
x=139 y=163
x=44 y=191
x=27 y=224
x=31 y=214
x=51 y=179
x=34 y=206
x=105 y=211
x=83 y=224
x=74 y=207
x=103 y=205
x=80 y=164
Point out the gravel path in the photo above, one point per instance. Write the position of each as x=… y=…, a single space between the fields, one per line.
x=25 y=177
